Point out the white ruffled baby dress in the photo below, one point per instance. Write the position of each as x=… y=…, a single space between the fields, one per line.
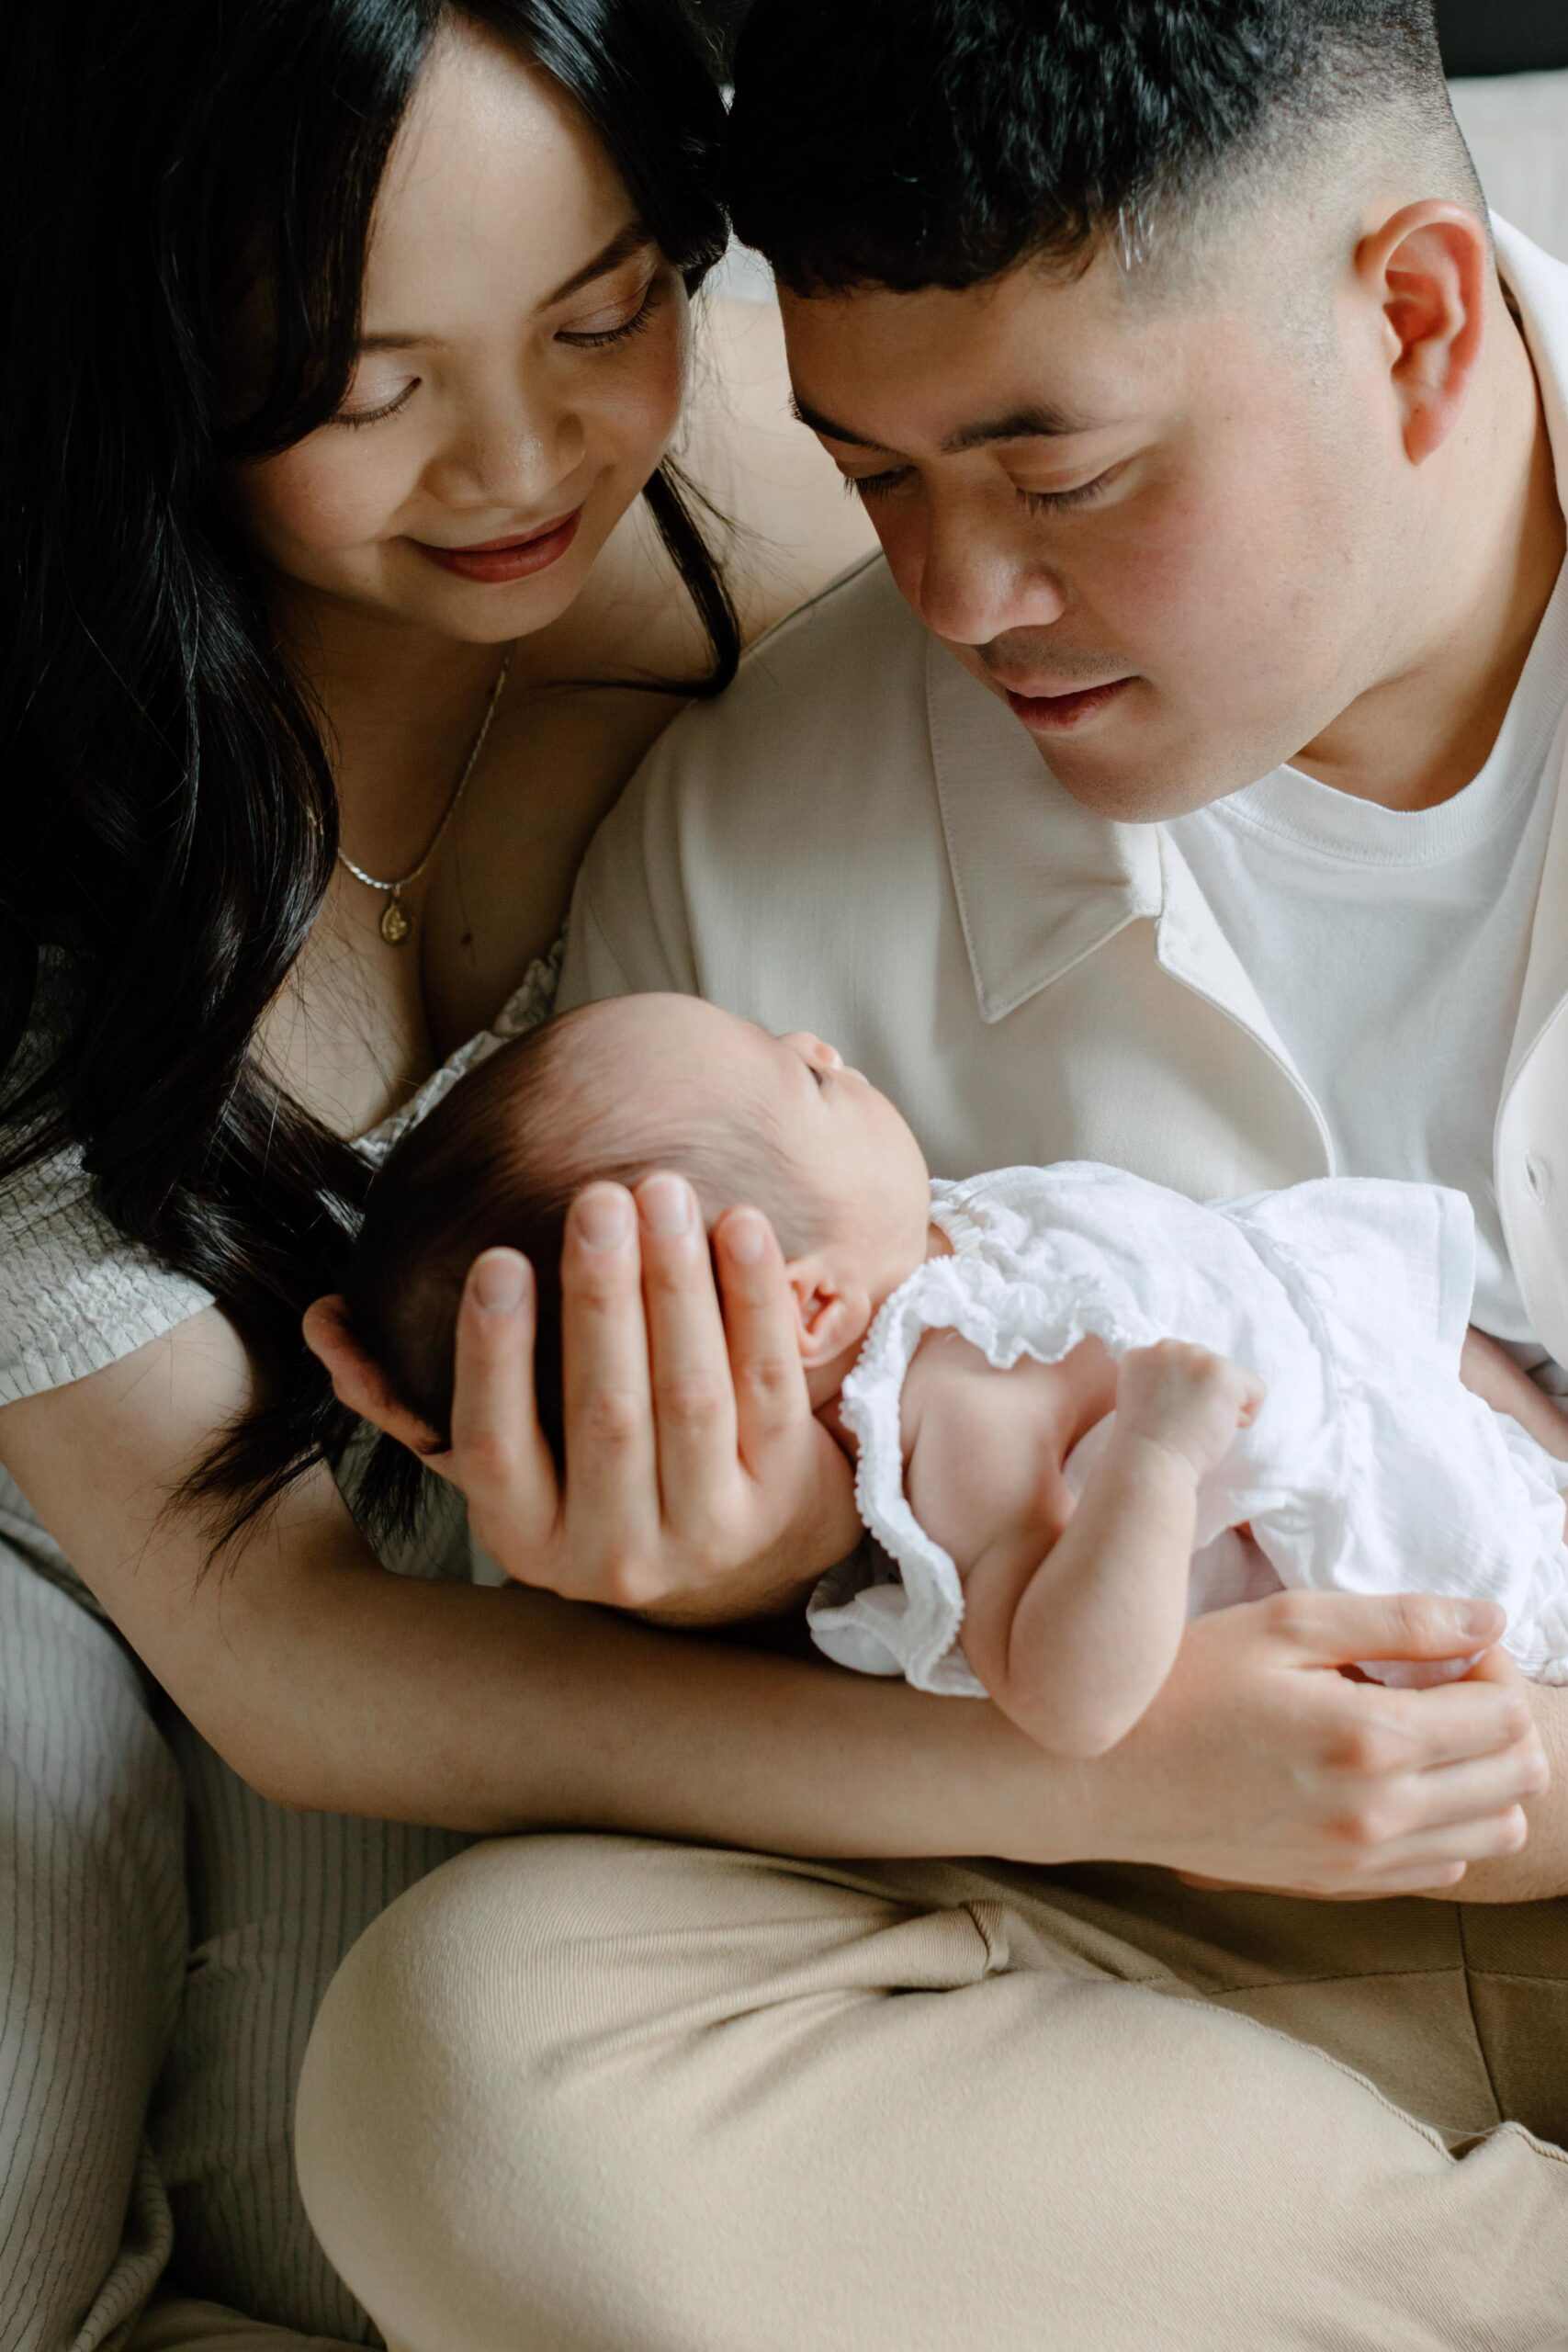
x=1368 y=1469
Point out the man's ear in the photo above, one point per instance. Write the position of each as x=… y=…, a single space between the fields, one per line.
x=829 y=1315
x=1429 y=270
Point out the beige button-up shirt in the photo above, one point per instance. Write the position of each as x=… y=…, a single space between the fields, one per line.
x=858 y=839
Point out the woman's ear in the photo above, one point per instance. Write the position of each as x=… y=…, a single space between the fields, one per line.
x=831 y=1315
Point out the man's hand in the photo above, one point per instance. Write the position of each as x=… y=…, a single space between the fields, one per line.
x=1261 y=1764
x=699 y=1489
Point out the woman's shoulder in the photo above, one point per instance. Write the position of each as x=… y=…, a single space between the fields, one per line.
x=794 y=528
x=75 y=1294
x=768 y=501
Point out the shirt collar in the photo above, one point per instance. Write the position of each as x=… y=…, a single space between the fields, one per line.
x=1040 y=881
x=1538 y=285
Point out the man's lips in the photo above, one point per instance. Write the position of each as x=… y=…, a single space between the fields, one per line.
x=1054 y=713
x=510 y=559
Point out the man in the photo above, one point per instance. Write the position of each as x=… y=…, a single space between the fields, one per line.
x=1187 y=789
x=1183 y=790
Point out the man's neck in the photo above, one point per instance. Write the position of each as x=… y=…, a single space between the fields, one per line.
x=1488 y=561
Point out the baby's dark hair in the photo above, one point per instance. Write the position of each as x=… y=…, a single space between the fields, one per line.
x=499 y=1162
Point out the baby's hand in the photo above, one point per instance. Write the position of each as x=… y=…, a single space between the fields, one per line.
x=1187 y=1400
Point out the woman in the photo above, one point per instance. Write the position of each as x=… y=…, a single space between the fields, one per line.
x=281 y=840
x=284 y=839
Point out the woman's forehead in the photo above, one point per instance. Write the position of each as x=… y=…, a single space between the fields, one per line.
x=496 y=188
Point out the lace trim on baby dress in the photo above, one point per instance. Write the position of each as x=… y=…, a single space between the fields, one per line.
x=530 y=1003
x=912 y=1626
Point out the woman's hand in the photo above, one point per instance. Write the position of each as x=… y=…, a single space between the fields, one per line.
x=1262 y=1764
x=699 y=1489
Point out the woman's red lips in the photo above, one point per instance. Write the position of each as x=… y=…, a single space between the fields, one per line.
x=490 y=561
x=1055 y=714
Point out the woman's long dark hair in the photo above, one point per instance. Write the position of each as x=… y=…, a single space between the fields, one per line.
x=170 y=817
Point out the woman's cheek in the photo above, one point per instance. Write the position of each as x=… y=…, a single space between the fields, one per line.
x=318 y=495
x=641 y=412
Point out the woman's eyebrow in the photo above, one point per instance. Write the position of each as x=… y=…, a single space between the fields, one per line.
x=633 y=239
x=627 y=241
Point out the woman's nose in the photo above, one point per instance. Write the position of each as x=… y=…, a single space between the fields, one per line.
x=512 y=458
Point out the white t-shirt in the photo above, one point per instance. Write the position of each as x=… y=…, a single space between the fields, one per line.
x=1389 y=950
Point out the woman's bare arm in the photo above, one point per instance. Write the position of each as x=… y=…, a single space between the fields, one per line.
x=334 y=1685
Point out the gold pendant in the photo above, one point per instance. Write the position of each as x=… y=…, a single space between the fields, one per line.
x=396 y=923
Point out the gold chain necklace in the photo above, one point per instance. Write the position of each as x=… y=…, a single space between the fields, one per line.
x=397 y=923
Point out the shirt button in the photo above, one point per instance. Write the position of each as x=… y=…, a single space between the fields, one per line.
x=1538 y=1180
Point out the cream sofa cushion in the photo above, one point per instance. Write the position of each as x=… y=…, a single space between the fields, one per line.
x=1517 y=126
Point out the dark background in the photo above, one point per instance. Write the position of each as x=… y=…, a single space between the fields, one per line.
x=1479 y=36
x=1507 y=37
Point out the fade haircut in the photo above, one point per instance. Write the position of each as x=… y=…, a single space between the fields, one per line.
x=916 y=143
x=498 y=1163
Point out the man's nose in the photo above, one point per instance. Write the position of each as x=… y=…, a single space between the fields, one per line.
x=975 y=583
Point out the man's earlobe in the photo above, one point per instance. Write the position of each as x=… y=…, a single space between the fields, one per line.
x=1429 y=269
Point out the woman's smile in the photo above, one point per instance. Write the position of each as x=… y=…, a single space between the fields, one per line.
x=492 y=560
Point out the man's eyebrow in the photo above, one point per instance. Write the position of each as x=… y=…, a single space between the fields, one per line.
x=625 y=242
x=1040 y=421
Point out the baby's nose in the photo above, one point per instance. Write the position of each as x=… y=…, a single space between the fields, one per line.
x=817 y=1049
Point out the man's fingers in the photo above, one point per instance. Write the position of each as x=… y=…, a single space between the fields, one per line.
x=1449 y=1722
x=498 y=1454
x=771 y=1399
x=1338 y=1628
x=1486 y=1785
x=1425 y=1879
x=694 y=1395
x=612 y=1472
x=360 y=1384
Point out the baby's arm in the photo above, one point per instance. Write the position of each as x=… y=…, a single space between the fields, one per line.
x=1074 y=1636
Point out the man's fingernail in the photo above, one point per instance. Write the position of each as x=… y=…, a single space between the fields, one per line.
x=747 y=1239
x=1481 y=1617
x=603 y=1219
x=497 y=1283
x=666 y=1203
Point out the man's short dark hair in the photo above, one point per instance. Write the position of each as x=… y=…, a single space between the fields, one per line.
x=913 y=143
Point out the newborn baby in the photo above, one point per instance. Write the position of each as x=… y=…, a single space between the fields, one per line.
x=1082 y=1407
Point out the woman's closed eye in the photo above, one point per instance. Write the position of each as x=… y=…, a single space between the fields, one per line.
x=375 y=415
x=615 y=323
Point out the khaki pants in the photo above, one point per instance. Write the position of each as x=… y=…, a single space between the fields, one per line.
x=605 y=2095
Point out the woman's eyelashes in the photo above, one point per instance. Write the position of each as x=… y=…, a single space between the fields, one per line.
x=623 y=325
x=375 y=415
x=620 y=329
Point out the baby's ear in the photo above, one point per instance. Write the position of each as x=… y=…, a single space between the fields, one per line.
x=829 y=1316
